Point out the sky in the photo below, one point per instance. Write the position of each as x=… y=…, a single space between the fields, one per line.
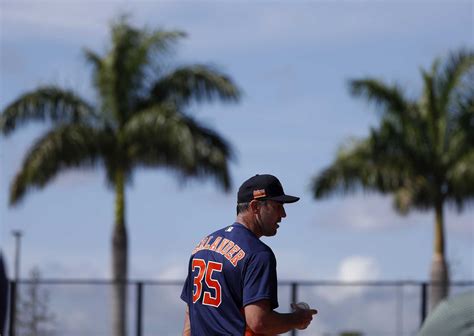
x=292 y=61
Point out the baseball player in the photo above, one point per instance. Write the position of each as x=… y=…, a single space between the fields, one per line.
x=4 y=285
x=231 y=287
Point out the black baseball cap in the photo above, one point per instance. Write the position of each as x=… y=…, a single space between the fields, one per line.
x=263 y=187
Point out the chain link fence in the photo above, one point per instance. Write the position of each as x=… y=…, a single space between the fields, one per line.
x=83 y=307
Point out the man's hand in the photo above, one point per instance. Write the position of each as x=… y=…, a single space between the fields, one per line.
x=187 y=323
x=303 y=316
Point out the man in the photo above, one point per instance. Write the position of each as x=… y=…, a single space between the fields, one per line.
x=452 y=316
x=231 y=288
x=3 y=295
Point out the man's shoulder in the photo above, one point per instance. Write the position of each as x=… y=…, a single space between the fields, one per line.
x=253 y=245
x=233 y=236
x=261 y=249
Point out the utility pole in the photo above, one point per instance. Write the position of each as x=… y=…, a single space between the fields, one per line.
x=17 y=234
x=14 y=293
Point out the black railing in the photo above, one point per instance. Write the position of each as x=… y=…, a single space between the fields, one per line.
x=137 y=289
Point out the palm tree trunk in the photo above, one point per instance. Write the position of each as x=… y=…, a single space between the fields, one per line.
x=119 y=259
x=439 y=269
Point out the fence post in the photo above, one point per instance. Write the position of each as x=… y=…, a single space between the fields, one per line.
x=294 y=299
x=139 y=306
x=12 y=308
x=399 y=309
x=424 y=302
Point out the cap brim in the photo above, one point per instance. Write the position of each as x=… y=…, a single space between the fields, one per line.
x=284 y=199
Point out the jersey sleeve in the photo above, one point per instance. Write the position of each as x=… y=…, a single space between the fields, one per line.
x=260 y=279
x=186 y=291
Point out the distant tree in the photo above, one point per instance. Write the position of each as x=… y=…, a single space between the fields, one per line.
x=34 y=317
x=140 y=121
x=351 y=333
x=422 y=152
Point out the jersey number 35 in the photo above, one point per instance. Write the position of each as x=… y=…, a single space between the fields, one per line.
x=205 y=272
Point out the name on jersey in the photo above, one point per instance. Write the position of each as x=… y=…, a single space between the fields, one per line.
x=230 y=250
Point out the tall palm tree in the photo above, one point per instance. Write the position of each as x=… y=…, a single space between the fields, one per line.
x=140 y=120
x=422 y=152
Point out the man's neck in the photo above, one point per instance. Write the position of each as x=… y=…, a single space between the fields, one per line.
x=248 y=221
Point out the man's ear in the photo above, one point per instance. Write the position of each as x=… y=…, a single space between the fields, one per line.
x=254 y=206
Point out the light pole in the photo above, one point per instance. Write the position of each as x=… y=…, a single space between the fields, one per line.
x=14 y=293
x=17 y=234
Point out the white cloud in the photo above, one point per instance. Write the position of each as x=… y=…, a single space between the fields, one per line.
x=352 y=269
x=358 y=268
x=363 y=212
x=369 y=212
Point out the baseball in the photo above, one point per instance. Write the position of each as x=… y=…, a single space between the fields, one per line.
x=303 y=305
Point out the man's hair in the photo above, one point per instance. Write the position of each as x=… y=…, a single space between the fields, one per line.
x=242 y=207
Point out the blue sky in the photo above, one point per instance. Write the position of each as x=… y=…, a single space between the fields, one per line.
x=292 y=61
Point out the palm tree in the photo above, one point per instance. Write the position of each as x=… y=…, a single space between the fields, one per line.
x=139 y=121
x=422 y=152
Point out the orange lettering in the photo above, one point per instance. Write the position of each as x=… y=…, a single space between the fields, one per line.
x=221 y=246
x=215 y=243
x=229 y=254
x=206 y=247
x=227 y=247
x=237 y=257
x=200 y=245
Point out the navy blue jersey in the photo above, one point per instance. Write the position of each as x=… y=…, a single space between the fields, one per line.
x=228 y=270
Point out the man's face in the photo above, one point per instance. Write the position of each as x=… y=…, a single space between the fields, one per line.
x=269 y=215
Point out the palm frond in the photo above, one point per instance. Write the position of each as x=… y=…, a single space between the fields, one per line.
x=93 y=58
x=197 y=82
x=45 y=103
x=356 y=167
x=460 y=132
x=434 y=116
x=403 y=200
x=460 y=179
x=416 y=192
x=390 y=98
x=162 y=136
x=420 y=151
x=158 y=41
x=459 y=63
x=99 y=80
x=143 y=62
x=72 y=145
x=124 y=78
x=465 y=120
x=124 y=40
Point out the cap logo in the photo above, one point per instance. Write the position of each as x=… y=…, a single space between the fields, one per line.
x=259 y=193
